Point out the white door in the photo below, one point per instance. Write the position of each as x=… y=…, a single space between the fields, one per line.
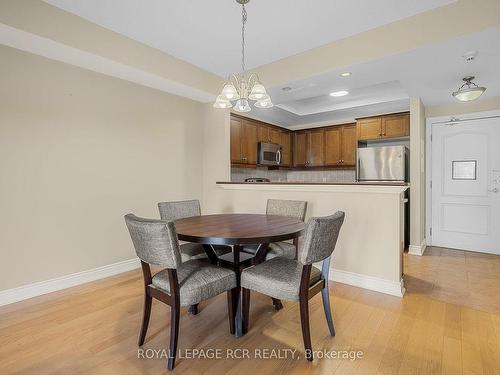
x=465 y=185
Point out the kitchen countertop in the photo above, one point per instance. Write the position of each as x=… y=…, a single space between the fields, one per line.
x=355 y=183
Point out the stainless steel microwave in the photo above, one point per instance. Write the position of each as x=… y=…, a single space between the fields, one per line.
x=268 y=153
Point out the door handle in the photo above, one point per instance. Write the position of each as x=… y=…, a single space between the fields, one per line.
x=494 y=190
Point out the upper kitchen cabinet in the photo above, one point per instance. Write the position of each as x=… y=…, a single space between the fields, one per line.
x=243 y=141
x=316 y=148
x=349 y=145
x=246 y=135
x=286 y=148
x=340 y=146
x=236 y=135
x=369 y=128
x=249 y=142
x=263 y=133
x=274 y=135
x=266 y=133
x=309 y=148
x=396 y=126
x=300 y=148
x=382 y=127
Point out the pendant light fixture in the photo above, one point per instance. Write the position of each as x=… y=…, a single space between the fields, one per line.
x=469 y=90
x=242 y=87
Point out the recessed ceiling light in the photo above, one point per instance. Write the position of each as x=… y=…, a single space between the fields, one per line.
x=339 y=93
x=345 y=74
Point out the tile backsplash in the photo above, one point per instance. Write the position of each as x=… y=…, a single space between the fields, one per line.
x=239 y=175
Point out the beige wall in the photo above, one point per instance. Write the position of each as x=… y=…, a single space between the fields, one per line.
x=417 y=174
x=42 y=19
x=78 y=150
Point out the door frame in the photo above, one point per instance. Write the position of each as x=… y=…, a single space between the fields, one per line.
x=429 y=123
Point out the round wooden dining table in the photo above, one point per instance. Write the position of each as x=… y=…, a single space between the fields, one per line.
x=238 y=230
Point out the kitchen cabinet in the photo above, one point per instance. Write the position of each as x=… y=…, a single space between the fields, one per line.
x=309 y=148
x=286 y=148
x=340 y=146
x=243 y=141
x=268 y=134
x=247 y=133
x=274 y=135
x=349 y=145
x=249 y=143
x=381 y=127
x=396 y=126
x=235 y=139
x=333 y=145
x=300 y=148
x=263 y=133
x=316 y=148
x=369 y=128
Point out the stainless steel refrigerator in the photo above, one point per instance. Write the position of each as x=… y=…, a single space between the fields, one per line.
x=388 y=163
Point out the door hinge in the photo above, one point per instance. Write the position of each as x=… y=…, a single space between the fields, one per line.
x=431 y=137
x=431 y=184
x=430 y=231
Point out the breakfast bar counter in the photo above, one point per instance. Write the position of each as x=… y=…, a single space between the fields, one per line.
x=369 y=253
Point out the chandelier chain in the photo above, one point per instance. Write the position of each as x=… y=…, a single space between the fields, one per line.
x=244 y=21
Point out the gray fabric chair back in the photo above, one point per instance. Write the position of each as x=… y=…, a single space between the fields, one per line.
x=179 y=210
x=320 y=238
x=155 y=241
x=281 y=207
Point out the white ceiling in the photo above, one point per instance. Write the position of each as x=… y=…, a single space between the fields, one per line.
x=381 y=86
x=207 y=33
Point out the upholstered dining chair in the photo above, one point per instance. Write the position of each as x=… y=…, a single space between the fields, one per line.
x=171 y=211
x=179 y=283
x=282 y=207
x=298 y=280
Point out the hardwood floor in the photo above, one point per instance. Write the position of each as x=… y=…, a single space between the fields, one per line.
x=455 y=276
x=93 y=328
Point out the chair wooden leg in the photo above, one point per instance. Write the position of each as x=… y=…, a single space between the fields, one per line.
x=145 y=318
x=193 y=310
x=277 y=304
x=328 y=312
x=174 y=335
x=232 y=307
x=304 y=320
x=245 y=307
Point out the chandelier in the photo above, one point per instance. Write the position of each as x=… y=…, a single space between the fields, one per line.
x=243 y=87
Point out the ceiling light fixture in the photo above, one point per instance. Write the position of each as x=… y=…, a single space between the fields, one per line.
x=469 y=90
x=346 y=74
x=339 y=93
x=242 y=87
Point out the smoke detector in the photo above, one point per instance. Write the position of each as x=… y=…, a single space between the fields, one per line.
x=470 y=56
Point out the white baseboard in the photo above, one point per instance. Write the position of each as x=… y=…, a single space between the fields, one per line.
x=417 y=249
x=43 y=287
x=368 y=282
